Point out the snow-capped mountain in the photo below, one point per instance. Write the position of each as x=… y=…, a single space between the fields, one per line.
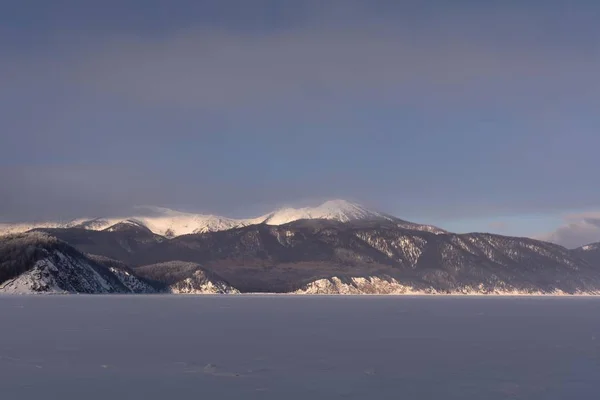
x=170 y=223
x=9 y=229
x=338 y=210
x=342 y=211
x=337 y=247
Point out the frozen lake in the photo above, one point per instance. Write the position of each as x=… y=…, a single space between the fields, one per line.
x=293 y=347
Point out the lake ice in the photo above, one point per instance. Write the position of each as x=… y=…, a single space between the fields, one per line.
x=299 y=347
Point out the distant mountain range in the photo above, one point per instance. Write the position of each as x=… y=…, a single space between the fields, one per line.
x=338 y=247
x=170 y=223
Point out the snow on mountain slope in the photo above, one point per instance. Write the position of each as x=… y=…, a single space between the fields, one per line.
x=590 y=247
x=39 y=263
x=125 y=274
x=128 y=224
x=186 y=278
x=132 y=282
x=95 y=224
x=9 y=229
x=82 y=223
x=198 y=283
x=53 y=276
x=170 y=223
x=385 y=285
x=357 y=285
x=339 y=210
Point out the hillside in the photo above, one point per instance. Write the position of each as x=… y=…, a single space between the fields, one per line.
x=39 y=263
x=288 y=257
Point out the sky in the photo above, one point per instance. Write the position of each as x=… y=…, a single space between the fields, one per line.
x=471 y=115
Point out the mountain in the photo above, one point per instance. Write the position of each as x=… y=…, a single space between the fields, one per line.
x=13 y=228
x=39 y=263
x=590 y=253
x=133 y=281
x=121 y=241
x=170 y=223
x=96 y=224
x=357 y=285
x=363 y=255
x=185 y=278
x=342 y=211
x=130 y=225
x=337 y=247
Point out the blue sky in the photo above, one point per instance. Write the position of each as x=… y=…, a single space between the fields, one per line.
x=475 y=116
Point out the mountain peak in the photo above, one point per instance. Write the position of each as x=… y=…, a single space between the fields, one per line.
x=130 y=224
x=339 y=210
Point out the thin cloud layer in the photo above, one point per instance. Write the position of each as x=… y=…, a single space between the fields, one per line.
x=425 y=111
x=311 y=68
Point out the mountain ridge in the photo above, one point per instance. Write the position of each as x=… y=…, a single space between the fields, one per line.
x=336 y=248
x=286 y=258
x=171 y=223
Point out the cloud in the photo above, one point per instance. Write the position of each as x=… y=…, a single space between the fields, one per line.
x=337 y=55
x=65 y=192
x=578 y=230
x=33 y=193
x=226 y=70
x=437 y=112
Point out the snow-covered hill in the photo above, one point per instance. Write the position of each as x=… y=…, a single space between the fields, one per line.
x=386 y=285
x=180 y=277
x=39 y=263
x=357 y=285
x=170 y=223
